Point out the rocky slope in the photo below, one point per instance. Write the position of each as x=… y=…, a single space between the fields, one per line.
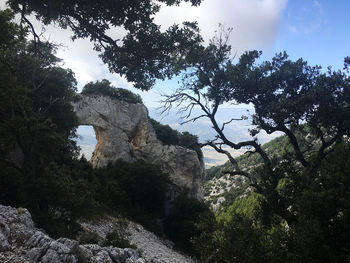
x=21 y=242
x=152 y=248
x=123 y=131
x=220 y=187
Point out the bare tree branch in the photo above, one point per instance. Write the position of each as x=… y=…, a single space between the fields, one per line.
x=228 y=122
x=193 y=119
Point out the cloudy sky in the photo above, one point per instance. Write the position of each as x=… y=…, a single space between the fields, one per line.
x=316 y=30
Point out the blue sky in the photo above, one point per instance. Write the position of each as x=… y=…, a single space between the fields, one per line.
x=318 y=31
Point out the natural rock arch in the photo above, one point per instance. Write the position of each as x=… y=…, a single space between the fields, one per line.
x=123 y=131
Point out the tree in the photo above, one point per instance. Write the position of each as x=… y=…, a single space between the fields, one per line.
x=285 y=94
x=312 y=109
x=144 y=54
x=37 y=122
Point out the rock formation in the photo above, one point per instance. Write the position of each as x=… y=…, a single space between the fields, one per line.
x=21 y=242
x=123 y=131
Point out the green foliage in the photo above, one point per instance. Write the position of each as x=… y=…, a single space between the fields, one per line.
x=305 y=211
x=38 y=158
x=116 y=239
x=181 y=223
x=37 y=126
x=88 y=238
x=138 y=190
x=297 y=211
x=165 y=133
x=169 y=136
x=105 y=88
x=143 y=55
x=235 y=241
x=250 y=207
x=190 y=141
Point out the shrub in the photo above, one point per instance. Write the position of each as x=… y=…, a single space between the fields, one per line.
x=117 y=238
x=88 y=238
x=137 y=190
x=181 y=224
x=165 y=133
x=104 y=87
x=169 y=136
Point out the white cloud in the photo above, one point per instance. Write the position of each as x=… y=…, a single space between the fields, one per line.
x=255 y=23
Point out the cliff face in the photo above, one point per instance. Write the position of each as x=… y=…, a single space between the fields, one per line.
x=124 y=132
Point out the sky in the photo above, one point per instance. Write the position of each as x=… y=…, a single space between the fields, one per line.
x=316 y=30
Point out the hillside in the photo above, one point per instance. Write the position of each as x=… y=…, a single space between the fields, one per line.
x=222 y=188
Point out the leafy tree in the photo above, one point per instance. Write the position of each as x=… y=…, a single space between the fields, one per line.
x=37 y=126
x=143 y=54
x=253 y=230
x=285 y=94
x=190 y=141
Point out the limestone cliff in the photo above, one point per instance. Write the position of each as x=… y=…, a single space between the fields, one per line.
x=123 y=131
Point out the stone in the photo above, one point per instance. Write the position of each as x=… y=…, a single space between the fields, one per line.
x=123 y=131
x=17 y=233
x=4 y=244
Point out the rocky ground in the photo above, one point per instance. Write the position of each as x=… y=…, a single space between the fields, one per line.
x=21 y=242
x=151 y=247
x=216 y=188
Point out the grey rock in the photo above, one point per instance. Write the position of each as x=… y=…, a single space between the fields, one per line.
x=151 y=247
x=123 y=131
x=17 y=233
x=4 y=244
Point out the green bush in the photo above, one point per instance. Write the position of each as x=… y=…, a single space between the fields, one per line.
x=169 y=136
x=181 y=223
x=65 y=193
x=104 y=87
x=88 y=238
x=117 y=239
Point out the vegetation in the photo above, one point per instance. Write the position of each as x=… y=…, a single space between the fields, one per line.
x=38 y=156
x=250 y=230
x=169 y=136
x=88 y=238
x=280 y=219
x=117 y=238
x=104 y=88
x=143 y=55
x=181 y=223
x=37 y=124
x=114 y=239
x=298 y=209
